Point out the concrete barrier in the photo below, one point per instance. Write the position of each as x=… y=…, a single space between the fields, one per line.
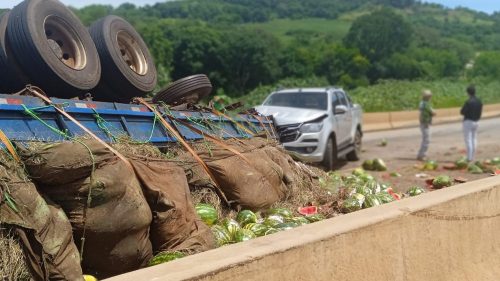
x=450 y=234
x=402 y=119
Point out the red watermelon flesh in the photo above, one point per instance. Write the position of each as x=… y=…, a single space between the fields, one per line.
x=309 y=210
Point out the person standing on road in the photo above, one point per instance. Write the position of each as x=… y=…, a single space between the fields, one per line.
x=471 y=111
x=426 y=114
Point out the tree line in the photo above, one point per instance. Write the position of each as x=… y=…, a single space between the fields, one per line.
x=214 y=37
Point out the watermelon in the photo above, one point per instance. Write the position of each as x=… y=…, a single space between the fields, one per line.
x=379 y=165
x=358 y=172
x=232 y=226
x=352 y=181
x=474 y=169
x=363 y=189
x=395 y=175
x=273 y=220
x=366 y=178
x=285 y=213
x=461 y=163
x=207 y=213
x=257 y=228
x=246 y=216
x=350 y=205
x=371 y=201
x=368 y=165
x=384 y=197
x=243 y=235
x=308 y=210
x=286 y=226
x=415 y=190
x=221 y=234
x=315 y=218
x=441 y=181
x=164 y=257
x=430 y=165
x=495 y=160
x=299 y=220
x=271 y=231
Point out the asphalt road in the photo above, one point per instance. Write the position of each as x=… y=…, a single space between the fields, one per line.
x=447 y=145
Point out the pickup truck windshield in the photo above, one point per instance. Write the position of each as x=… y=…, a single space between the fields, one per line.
x=299 y=100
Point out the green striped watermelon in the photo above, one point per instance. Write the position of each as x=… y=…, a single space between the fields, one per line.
x=285 y=213
x=222 y=236
x=244 y=235
x=257 y=228
x=207 y=213
x=164 y=257
x=245 y=217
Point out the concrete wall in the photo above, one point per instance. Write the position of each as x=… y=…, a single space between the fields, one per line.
x=401 y=119
x=450 y=234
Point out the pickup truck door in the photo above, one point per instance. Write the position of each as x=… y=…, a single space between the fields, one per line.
x=344 y=121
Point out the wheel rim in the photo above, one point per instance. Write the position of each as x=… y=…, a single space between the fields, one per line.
x=65 y=43
x=131 y=53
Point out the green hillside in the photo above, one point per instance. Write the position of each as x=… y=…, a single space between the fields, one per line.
x=289 y=29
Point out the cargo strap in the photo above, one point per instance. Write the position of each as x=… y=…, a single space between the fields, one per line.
x=218 y=113
x=213 y=139
x=179 y=138
x=5 y=194
x=5 y=140
x=40 y=94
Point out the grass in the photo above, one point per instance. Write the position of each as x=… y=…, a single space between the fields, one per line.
x=12 y=263
x=394 y=95
x=405 y=95
x=287 y=29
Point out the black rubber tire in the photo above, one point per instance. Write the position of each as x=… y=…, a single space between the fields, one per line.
x=53 y=48
x=330 y=156
x=12 y=78
x=188 y=89
x=356 y=153
x=115 y=39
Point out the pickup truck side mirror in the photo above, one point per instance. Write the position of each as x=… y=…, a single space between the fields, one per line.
x=340 y=109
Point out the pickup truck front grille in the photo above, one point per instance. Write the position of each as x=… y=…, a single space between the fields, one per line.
x=288 y=133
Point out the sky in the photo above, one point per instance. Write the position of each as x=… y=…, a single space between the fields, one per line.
x=488 y=6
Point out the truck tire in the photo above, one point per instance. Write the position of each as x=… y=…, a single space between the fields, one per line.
x=356 y=153
x=188 y=89
x=330 y=157
x=53 y=48
x=13 y=79
x=128 y=67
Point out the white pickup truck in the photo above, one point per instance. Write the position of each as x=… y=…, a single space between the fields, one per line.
x=316 y=124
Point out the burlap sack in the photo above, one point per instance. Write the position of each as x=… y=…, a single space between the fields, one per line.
x=117 y=218
x=175 y=224
x=44 y=230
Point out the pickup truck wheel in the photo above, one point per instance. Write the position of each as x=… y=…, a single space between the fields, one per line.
x=354 y=155
x=53 y=48
x=330 y=157
x=186 y=90
x=128 y=69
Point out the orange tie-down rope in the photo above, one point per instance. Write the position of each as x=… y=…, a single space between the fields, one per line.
x=212 y=138
x=40 y=94
x=9 y=146
x=218 y=113
x=180 y=139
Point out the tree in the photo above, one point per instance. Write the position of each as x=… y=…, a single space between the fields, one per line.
x=250 y=58
x=345 y=66
x=487 y=64
x=379 y=35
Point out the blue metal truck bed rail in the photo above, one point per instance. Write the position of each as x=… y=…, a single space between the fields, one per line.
x=26 y=118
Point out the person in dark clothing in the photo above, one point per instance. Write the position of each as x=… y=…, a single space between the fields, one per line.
x=471 y=111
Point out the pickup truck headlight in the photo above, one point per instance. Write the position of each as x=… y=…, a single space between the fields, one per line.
x=311 y=127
